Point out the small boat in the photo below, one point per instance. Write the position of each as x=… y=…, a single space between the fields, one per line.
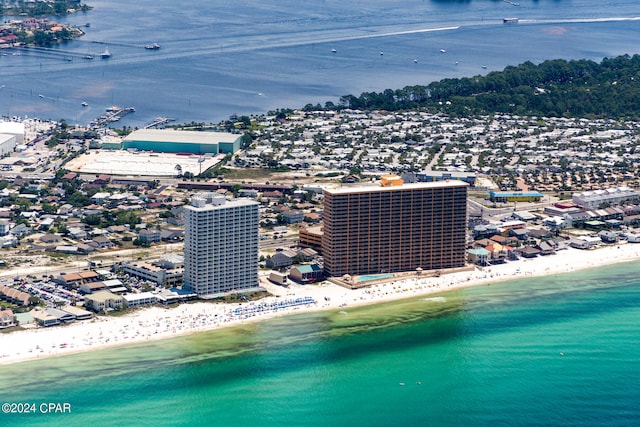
x=484 y=67
x=415 y=61
x=333 y=50
x=85 y=104
x=443 y=51
x=106 y=54
x=89 y=56
x=381 y=53
x=152 y=46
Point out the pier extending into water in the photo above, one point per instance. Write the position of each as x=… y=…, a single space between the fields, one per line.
x=113 y=114
x=159 y=121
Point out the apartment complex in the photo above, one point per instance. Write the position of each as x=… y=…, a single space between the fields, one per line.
x=597 y=199
x=220 y=245
x=394 y=227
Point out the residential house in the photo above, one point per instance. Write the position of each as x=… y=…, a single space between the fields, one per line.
x=101 y=242
x=21 y=230
x=484 y=230
x=555 y=222
x=77 y=233
x=8 y=241
x=576 y=219
x=100 y=197
x=307 y=273
x=609 y=237
x=529 y=252
x=540 y=233
x=307 y=254
x=585 y=242
x=483 y=243
x=65 y=209
x=151 y=235
x=171 y=234
x=292 y=217
x=50 y=238
x=7 y=319
x=46 y=223
x=498 y=253
x=282 y=258
x=546 y=248
x=479 y=256
x=520 y=234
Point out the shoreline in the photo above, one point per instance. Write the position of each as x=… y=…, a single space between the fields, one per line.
x=157 y=323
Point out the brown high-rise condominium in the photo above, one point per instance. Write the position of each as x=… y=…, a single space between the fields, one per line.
x=394 y=227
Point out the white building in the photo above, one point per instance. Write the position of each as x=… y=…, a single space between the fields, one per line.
x=611 y=196
x=220 y=245
x=7 y=144
x=137 y=300
x=163 y=274
x=16 y=129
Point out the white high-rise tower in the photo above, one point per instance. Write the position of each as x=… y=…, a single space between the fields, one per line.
x=220 y=245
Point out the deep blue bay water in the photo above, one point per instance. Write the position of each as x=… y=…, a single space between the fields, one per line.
x=249 y=57
x=552 y=351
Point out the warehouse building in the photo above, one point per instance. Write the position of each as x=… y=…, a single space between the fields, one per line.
x=16 y=129
x=7 y=144
x=180 y=141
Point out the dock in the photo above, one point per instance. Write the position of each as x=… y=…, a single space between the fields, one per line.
x=159 y=121
x=113 y=114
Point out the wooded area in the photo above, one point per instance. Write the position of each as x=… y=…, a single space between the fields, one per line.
x=554 y=88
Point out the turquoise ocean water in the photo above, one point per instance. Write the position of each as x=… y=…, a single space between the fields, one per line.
x=553 y=351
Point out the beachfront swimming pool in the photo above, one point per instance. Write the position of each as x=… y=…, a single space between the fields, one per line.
x=374 y=277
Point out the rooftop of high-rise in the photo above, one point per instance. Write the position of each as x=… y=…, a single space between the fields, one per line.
x=209 y=201
x=378 y=188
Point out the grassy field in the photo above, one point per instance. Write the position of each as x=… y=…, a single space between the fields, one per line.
x=252 y=174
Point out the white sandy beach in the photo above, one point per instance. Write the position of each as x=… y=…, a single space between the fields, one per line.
x=157 y=322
